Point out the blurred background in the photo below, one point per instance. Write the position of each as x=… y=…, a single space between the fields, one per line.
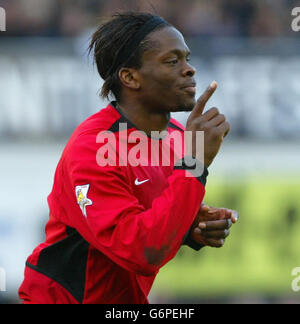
x=48 y=85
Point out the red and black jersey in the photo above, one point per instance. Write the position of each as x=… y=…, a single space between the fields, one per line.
x=111 y=228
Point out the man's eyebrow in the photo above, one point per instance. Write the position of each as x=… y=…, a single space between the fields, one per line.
x=178 y=52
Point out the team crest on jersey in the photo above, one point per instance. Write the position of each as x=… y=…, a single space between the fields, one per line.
x=82 y=198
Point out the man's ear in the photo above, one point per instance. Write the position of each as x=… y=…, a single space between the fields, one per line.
x=129 y=78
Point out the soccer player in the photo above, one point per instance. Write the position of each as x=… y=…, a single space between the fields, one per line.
x=112 y=227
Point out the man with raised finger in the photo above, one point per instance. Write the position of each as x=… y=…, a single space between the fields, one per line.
x=113 y=226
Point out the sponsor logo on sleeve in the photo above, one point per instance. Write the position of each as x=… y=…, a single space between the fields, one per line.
x=82 y=198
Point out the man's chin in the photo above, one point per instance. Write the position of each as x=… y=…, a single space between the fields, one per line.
x=186 y=106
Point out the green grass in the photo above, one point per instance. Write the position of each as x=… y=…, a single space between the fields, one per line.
x=259 y=255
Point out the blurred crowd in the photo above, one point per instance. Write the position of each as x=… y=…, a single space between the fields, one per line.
x=69 y=18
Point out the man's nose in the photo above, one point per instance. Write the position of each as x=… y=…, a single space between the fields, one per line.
x=188 y=70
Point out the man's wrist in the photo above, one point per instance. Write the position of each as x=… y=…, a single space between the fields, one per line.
x=188 y=241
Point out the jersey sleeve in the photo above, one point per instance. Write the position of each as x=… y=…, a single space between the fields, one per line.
x=115 y=223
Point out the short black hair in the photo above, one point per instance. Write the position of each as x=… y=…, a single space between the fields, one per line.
x=110 y=38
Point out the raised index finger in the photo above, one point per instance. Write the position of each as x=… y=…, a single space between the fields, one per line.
x=202 y=101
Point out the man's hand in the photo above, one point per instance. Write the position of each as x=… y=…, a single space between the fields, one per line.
x=213 y=124
x=212 y=225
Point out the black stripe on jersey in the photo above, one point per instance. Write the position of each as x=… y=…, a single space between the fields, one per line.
x=195 y=164
x=115 y=127
x=171 y=125
x=65 y=262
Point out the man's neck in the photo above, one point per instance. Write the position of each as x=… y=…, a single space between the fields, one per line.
x=146 y=120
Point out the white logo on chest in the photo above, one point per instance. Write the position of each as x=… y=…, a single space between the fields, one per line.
x=138 y=183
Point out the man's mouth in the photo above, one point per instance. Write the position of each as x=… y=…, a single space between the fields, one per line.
x=190 y=88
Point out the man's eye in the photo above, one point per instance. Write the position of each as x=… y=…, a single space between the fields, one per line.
x=173 y=62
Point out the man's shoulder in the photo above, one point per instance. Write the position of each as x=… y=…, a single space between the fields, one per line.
x=101 y=121
x=84 y=138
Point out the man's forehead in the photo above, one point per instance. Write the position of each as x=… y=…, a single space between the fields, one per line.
x=169 y=39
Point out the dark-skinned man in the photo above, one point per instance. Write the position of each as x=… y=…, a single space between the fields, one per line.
x=113 y=226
